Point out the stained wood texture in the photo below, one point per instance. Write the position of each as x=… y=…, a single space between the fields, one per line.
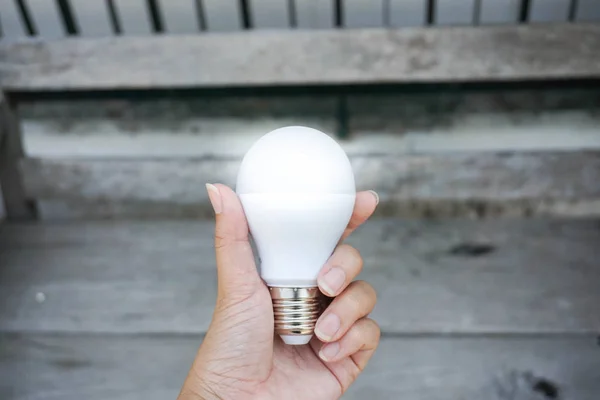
x=76 y=367
x=498 y=53
x=16 y=205
x=397 y=124
x=456 y=185
x=457 y=276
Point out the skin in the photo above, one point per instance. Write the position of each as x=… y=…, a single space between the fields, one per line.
x=240 y=357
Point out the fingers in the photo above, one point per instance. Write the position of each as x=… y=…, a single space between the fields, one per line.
x=357 y=301
x=236 y=270
x=343 y=267
x=364 y=206
x=360 y=342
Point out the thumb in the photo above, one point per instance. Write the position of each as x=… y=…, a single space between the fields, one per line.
x=236 y=271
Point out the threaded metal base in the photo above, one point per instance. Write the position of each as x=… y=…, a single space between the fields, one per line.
x=296 y=310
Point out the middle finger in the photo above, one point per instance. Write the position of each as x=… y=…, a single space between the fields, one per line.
x=343 y=267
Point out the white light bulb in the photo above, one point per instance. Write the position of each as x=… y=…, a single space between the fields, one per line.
x=297 y=189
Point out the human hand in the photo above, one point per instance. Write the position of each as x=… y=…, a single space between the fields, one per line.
x=241 y=358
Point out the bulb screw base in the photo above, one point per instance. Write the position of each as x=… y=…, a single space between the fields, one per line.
x=296 y=309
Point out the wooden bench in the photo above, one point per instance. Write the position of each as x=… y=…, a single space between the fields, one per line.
x=468 y=123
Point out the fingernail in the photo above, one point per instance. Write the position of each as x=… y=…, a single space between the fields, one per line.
x=215 y=198
x=374 y=193
x=328 y=327
x=329 y=351
x=332 y=281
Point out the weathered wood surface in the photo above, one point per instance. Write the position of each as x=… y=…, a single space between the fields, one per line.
x=494 y=183
x=16 y=204
x=153 y=367
x=548 y=119
x=498 y=53
x=497 y=276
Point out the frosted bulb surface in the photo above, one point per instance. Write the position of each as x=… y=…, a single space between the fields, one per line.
x=297 y=188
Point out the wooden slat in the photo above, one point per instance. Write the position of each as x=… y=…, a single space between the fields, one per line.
x=511 y=276
x=314 y=14
x=503 y=53
x=68 y=368
x=404 y=13
x=499 y=11
x=269 y=14
x=92 y=18
x=222 y=15
x=180 y=16
x=47 y=19
x=134 y=17
x=16 y=204
x=363 y=14
x=10 y=21
x=454 y=12
x=519 y=183
x=549 y=10
x=587 y=10
x=548 y=119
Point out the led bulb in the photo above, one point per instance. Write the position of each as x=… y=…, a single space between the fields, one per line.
x=297 y=189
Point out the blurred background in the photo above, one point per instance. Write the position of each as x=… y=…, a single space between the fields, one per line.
x=476 y=121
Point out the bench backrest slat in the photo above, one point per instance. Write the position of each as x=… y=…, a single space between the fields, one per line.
x=492 y=54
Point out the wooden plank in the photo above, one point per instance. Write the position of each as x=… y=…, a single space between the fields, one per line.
x=269 y=14
x=233 y=142
x=516 y=183
x=10 y=21
x=456 y=276
x=68 y=367
x=92 y=18
x=363 y=14
x=16 y=204
x=503 y=53
x=134 y=17
x=499 y=11
x=47 y=19
x=180 y=16
x=548 y=119
x=404 y=13
x=549 y=10
x=587 y=10
x=454 y=12
x=315 y=14
x=222 y=15
x=492 y=116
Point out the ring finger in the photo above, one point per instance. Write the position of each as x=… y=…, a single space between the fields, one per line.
x=357 y=301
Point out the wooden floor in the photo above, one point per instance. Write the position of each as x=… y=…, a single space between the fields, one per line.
x=503 y=310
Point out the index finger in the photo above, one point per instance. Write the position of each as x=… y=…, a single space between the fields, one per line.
x=364 y=206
